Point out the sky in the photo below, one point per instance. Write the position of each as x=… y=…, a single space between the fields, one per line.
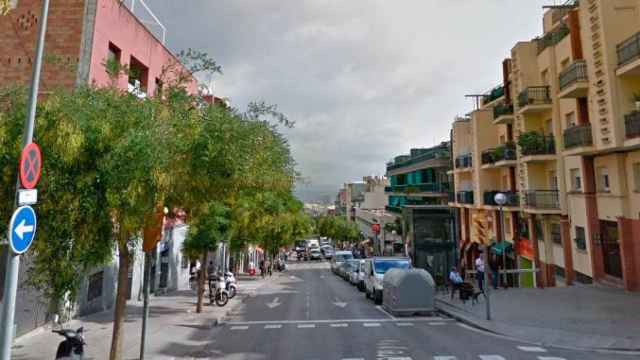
x=364 y=80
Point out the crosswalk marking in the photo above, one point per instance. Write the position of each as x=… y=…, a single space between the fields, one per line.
x=371 y=324
x=340 y=325
x=239 y=327
x=550 y=358
x=306 y=326
x=437 y=323
x=532 y=349
x=404 y=324
x=445 y=358
x=273 y=326
x=353 y=359
x=491 y=357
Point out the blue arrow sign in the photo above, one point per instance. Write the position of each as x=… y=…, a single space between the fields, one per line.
x=22 y=229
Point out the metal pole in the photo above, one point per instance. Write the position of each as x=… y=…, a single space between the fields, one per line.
x=486 y=282
x=145 y=310
x=504 y=250
x=13 y=261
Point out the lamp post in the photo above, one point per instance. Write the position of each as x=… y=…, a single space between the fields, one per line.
x=501 y=200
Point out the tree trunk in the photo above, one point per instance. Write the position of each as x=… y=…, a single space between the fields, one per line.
x=201 y=283
x=121 y=300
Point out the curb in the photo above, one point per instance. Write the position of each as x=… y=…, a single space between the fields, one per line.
x=475 y=324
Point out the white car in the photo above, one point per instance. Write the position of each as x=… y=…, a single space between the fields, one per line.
x=315 y=254
x=375 y=268
x=339 y=257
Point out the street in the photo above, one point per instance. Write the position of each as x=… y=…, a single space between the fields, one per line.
x=310 y=313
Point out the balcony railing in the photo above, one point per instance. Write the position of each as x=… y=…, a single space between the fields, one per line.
x=494 y=94
x=502 y=109
x=409 y=160
x=553 y=37
x=632 y=124
x=500 y=153
x=534 y=95
x=573 y=73
x=464 y=161
x=542 y=199
x=417 y=188
x=628 y=50
x=536 y=143
x=579 y=135
x=513 y=199
x=487 y=157
x=394 y=209
x=464 y=197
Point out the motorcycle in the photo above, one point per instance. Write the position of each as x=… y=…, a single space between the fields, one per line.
x=217 y=290
x=231 y=284
x=72 y=348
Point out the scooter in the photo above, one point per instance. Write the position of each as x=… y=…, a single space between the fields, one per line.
x=231 y=284
x=217 y=290
x=72 y=348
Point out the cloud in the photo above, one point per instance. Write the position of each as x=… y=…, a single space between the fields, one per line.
x=365 y=80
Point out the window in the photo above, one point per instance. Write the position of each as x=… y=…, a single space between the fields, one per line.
x=553 y=180
x=570 y=119
x=548 y=127
x=581 y=241
x=576 y=180
x=556 y=233
x=113 y=53
x=545 y=78
x=636 y=177
x=95 y=286
x=603 y=179
x=138 y=76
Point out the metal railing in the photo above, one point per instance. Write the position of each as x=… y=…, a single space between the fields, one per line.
x=156 y=22
x=628 y=50
x=535 y=143
x=417 y=188
x=632 y=124
x=534 y=95
x=513 y=198
x=494 y=94
x=464 y=197
x=395 y=209
x=500 y=153
x=573 y=73
x=542 y=199
x=502 y=109
x=464 y=161
x=579 y=135
x=436 y=154
x=553 y=37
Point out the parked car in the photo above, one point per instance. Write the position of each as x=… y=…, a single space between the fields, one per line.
x=315 y=254
x=354 y=276
x=327 y=251
x=375 y=268
x=361 y=274
x=339 y=257
x=349 y=266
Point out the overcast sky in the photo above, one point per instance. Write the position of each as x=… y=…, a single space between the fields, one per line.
x=364 y=80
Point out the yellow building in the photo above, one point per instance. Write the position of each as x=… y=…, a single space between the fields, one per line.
x=570 y=100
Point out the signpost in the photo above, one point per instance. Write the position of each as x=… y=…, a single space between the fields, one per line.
x=30 y=166
x=22 y=229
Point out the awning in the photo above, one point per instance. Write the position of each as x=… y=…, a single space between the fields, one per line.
x=501 y=247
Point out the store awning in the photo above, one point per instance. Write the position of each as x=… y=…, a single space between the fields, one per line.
x=501 y=247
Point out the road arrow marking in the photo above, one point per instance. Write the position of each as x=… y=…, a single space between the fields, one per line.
x=22 y=228
x=339 y=303
x=274 y=303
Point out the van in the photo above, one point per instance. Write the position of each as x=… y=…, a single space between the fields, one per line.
x=374 y=270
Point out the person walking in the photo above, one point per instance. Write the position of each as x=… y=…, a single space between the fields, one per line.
x=480 y=272
x=263 y=271
x=456 y=280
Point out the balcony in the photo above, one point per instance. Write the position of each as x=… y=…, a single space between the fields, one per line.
x=629 y=56
x=536 y=146
x=574 y=82
x=393 y=209
x=464 y=161
x=503 y=155
x=578 y=136
x=440 y=188
x=493 y=95
x=513 y=198
x=502 y=114
x=452 y=197
x=632 y=125
x=542 y=200
x=534 y=99
x=464 y=197
x=553 y=37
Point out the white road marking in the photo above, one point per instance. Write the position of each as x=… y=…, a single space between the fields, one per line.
x=445 y=358
x=353 y=359
x=385 y=312
x=263 y=322
x=339 y=325
x=273 y=326
x=491 y=357
x=531 y=349
x=239 y=327
x=404 y=324
x=550 y=358
x=371 y=324
x=306 y=326
x=437 y=323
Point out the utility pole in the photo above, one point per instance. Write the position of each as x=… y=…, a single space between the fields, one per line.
x=13 y=260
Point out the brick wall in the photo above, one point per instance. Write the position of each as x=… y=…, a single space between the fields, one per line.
x=19 y=31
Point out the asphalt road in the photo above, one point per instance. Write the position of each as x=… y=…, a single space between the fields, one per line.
x=308 y=313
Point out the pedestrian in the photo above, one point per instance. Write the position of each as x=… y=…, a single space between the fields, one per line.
x=493 y=265
x=263 y=271
x=268 y=266
x=456 y=281
x=480 y=272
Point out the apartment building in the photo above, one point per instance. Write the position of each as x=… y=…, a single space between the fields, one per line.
x=418 y=191
x=372 y=211
x=561 y=137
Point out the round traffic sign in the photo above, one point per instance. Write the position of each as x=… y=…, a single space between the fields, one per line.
x=22 y=229
x=30 y=166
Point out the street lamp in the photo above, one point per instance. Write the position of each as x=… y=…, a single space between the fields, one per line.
x=501 y=200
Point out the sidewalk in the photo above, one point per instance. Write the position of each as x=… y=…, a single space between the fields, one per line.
x=583 y=317
x=174 y=329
